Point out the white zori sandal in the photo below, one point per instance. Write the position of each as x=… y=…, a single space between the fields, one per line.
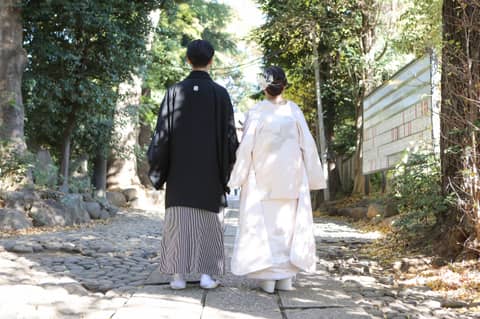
x=178 y=282
x=206 y=282
x=268 y=286
x=284 y=284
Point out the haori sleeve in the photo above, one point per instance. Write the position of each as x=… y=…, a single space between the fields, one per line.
x=311 y=159
x=244 y=153
x=158 y=151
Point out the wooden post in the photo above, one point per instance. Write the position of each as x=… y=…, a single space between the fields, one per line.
x=367 y=185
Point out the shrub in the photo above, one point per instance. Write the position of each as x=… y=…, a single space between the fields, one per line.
x=45 y=176
x=417 y=189
x=15 y=165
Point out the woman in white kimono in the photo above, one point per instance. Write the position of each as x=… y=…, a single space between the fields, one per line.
x=277 y=166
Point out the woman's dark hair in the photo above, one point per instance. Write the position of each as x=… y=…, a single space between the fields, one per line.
x=200 y=52
x=276 y=79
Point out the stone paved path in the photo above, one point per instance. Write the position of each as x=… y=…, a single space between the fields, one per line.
x=109 y=271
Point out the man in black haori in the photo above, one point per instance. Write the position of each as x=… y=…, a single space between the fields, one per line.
x=193 y=152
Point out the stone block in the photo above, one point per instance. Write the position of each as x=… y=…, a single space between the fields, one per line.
x=50 y=212
x=75 y=206
x=332 y=211
x=87 y=197
x=29 y=198
x=236 y=303
x=11 y=219
x=104 y=214
x=375 y=210
x=345 y=211
x=353 y=212
x=117 y=199
x=130 y=194
x=358 y=213
x=14 y=200
x=94 y=209
x=112 y=210
x=391 y=209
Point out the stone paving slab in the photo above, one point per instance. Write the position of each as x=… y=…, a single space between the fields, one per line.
x=33 y=301
x=237 y=303
x=316 y=290
x=316 y=296
x=328 y=313
x=161 y=302
x=157 y=278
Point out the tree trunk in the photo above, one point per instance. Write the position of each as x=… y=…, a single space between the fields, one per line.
x=100 y=173
x=13 y=59
x=367 y=37
x=321 y=126
x=122 y=164
x=66 y=148
x=359 y=178
x=460 y=114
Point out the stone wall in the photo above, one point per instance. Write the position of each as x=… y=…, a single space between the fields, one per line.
x=28 y=208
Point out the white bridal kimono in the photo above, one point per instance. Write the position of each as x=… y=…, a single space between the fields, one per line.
x=277 y=166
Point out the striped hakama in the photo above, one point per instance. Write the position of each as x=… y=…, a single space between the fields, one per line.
x=192 y=242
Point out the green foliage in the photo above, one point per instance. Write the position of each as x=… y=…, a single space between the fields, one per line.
x=181 y=23
x=376 y=180
x=344 y=141
x=420 y=27
x=417 y=191
x=13 y=161
x=140 y=152
x=79 y=52
x=81 y=185
x=45 y=176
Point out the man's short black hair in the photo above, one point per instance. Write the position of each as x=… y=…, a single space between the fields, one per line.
x=200 y=53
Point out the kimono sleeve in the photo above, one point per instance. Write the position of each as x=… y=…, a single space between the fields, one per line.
x=244 y=154
x=158 y=151
x=232 y=142
x=311 y=159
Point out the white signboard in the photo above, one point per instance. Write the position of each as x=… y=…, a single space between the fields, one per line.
x=401 y=112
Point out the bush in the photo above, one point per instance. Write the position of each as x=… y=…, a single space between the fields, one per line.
x=15 y=164
x=80 y=185
x=417 y=191
x=45 y=176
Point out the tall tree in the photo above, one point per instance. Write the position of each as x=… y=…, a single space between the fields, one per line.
x=460 y=115
x=367 y=37
x=12 y=63
x=79 y=53
x=122 y=162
